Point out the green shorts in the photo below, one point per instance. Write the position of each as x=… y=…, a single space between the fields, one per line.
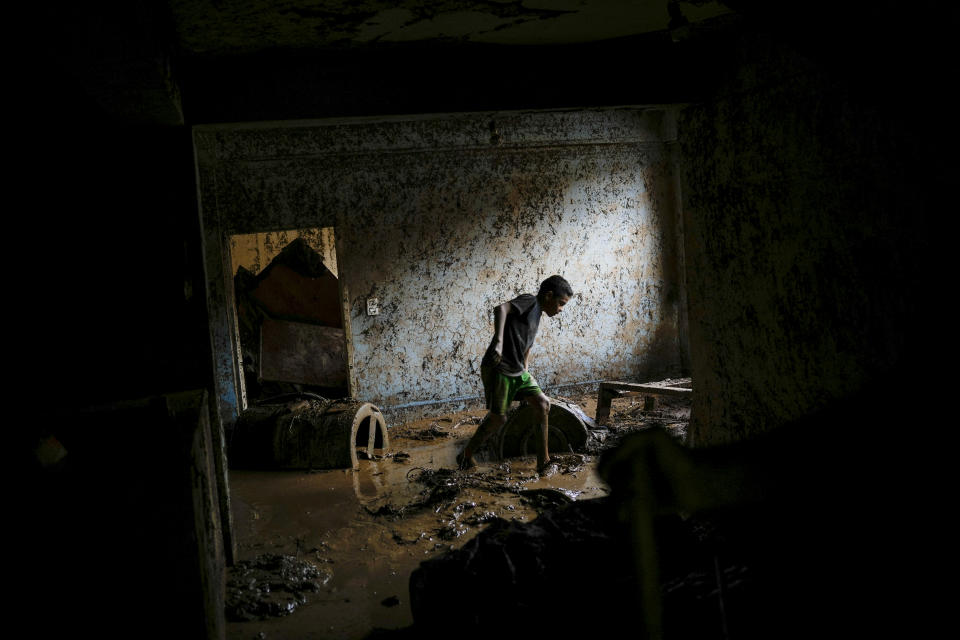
x=501 y=390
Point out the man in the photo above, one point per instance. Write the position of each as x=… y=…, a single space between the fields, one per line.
x=503 y=369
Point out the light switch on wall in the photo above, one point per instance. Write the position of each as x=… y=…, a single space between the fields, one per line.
x=373 y=306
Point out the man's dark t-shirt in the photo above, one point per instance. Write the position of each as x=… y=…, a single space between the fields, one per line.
x=519 y=332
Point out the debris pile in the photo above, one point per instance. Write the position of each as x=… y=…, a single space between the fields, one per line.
x=432 y=432
x=306 y=432
x=670 y=414
x=270 y=585
x=439 y=428
x=443 y=491
x=522 y=571
x=442 y=487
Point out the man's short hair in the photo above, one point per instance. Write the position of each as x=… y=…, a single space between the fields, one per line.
x=557 y=285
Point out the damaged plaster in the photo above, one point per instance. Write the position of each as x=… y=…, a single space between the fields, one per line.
x=211 y=27
x=443 y=217
x=803 y=244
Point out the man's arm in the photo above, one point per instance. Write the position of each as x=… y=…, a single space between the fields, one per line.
x=526 y=358
x=499 y=323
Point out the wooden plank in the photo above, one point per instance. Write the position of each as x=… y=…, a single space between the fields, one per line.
x=303 y=353
x=646 y=388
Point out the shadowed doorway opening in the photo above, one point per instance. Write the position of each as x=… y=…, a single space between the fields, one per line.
x=288 y=314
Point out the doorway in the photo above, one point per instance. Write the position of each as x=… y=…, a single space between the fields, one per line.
x=288 y=314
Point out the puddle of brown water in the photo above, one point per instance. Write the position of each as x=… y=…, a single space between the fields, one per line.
x=325 y=518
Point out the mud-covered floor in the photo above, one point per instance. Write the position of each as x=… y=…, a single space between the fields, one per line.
x=337 y=547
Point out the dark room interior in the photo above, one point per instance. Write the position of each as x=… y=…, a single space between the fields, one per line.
x=780 y=169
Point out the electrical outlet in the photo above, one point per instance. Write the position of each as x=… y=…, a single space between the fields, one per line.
x=373 y=306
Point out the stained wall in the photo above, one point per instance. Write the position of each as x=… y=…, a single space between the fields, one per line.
x=443 y=217
x=807 y=201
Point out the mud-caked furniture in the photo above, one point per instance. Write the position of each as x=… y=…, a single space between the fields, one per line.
x=609 y=390
x=307 y=434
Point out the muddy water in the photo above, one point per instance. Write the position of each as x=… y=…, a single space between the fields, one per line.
x=372 y=526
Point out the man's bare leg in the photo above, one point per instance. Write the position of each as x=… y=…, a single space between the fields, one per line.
x=541 y=405
x=490 y=424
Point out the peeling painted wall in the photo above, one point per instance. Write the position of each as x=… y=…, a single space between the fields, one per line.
x=487 y=228
x=444 y=217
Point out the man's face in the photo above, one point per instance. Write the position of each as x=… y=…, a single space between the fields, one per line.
x=552 y=305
